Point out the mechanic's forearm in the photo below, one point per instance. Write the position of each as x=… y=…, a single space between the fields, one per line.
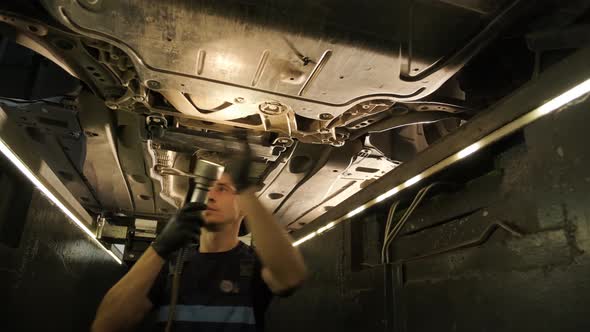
x=273 y=244
x=126 y=303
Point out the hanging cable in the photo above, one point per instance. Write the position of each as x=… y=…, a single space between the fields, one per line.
x=402 y=222
x=421 y=194
x=391 y=234
x=387 y=227
x=183 y=254
x=408 y=212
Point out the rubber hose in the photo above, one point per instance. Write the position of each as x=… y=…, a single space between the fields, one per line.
x=182 y=253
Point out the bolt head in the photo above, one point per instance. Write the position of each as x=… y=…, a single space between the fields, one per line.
x=326 y=116
x=239 y=100
x=271 y=108
x=152 y=84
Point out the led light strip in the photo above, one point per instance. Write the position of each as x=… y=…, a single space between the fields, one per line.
x=27 y=172
x=554 y=104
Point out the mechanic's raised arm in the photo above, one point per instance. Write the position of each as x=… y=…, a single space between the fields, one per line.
x=283 y=267
x=126 y=303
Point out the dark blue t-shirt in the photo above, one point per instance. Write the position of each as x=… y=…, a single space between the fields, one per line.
x=218 y=292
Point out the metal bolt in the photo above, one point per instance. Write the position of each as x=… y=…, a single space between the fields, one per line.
x=153 y=84
x=326 y=116
x=239 y=100
x=139 y=98
x=271 y=107
x=366 y=107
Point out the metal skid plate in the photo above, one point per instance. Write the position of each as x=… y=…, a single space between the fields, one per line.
x=26 y=152
x=315 y=178
x=317 y=58
x=54 y=133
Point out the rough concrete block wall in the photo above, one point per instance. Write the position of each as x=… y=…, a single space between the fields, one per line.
x=534 y=282
x=318 y=305
x=55 y=278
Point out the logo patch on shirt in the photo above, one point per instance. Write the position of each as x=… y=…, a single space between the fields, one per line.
x=246 y=268
x=227 y=286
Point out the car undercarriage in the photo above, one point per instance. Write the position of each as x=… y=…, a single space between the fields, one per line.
x=123 y=98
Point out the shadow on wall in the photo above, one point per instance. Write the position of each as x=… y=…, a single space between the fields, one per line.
x=55 y=277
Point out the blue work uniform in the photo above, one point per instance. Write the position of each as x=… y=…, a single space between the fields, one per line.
x=218 y=292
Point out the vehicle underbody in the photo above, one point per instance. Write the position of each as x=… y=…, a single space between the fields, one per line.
x=123 y=98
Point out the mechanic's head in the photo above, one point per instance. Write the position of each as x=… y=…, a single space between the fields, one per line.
x=222 y=206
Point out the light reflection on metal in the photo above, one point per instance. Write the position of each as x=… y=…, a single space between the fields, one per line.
x=559 y=101
x=355 y=211
x=413 y=180
x=388 y=194
x=325 y=228
x=5 y=149
x=315 y=71
x=468 y=150
x=305 y=238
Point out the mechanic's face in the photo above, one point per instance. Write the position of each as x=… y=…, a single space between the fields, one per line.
x=222 y=207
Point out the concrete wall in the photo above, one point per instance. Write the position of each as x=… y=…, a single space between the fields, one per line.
x=55 y=277
x=539 y=186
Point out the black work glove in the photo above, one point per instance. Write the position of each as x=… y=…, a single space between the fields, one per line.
x=238 y=166
x=183 y=227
